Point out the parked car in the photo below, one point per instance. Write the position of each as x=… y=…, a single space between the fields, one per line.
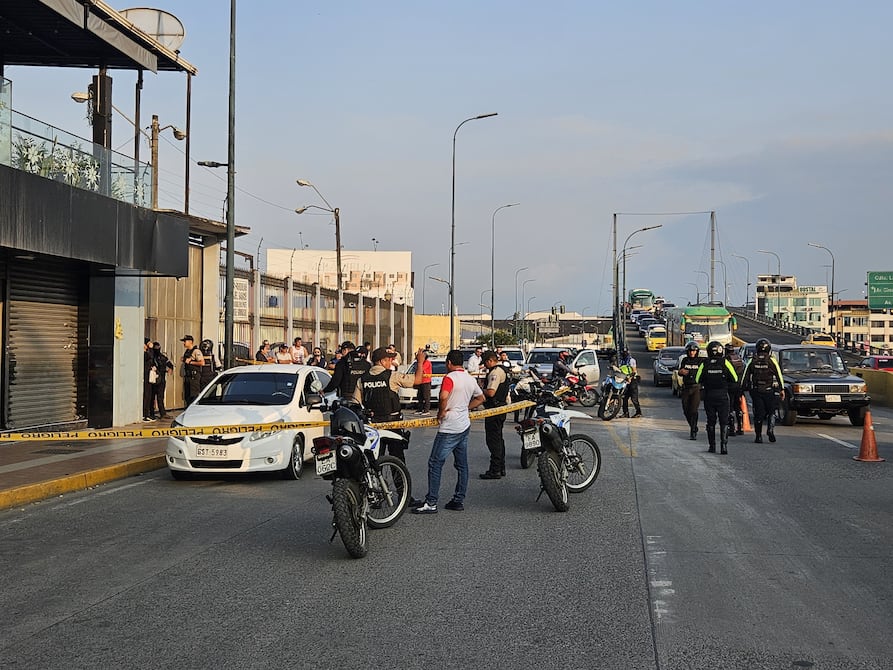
x=817 y=383
x=248 y=396
x=438 y=370
x=643 y=324
x=820 y=339
x=541 y=359
x=636 y=313
x=877 y=363
x=664 y=363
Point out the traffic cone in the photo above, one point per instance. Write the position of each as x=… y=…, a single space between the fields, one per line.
x=868 y=448
x=744 y=415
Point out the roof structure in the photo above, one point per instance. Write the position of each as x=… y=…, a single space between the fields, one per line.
x=80 y=33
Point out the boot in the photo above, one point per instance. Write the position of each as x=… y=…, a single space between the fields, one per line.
x=770 y=428
x=724 y=440
x=758 y=430
x=711 y=439
x=692 y=433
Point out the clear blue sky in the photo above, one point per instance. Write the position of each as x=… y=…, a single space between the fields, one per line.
x=775 y=115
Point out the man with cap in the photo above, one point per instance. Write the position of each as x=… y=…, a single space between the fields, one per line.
x=350 y=367
x=192 y=362
x=377 y=391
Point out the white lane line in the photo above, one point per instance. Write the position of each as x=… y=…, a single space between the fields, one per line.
x=840 y=442
x=116 y=489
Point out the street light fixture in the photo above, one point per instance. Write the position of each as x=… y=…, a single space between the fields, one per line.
x=747 y=281
x=425 y=281
x=697 y=291
x=517 y=306
x=336 y=212
x=493 y=274
x=831 y=303
x=453 y=225
x=522 y=303
x=777 y=282
x=618 y=330
x=374 y=244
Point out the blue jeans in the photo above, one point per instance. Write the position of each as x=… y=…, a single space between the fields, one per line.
x=444 y=443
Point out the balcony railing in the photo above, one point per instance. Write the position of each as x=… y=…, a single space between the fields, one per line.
x=34 y=146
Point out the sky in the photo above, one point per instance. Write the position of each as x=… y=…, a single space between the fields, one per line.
x=776 y=116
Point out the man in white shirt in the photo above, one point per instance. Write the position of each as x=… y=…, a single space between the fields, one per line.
x=474 y=361
x=459 y=393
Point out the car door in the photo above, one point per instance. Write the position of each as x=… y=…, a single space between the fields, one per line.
x=321 y=377
x=586 y=362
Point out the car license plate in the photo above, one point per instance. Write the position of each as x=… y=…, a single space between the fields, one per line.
x=832 y=398
x=211 y=452
x=326 y=463
x=530 y=440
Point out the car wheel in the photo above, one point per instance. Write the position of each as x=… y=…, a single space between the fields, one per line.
x=857 y=416
x=789 y=415
x=295 y=466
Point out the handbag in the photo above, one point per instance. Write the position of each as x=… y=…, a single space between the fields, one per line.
x=153 y=376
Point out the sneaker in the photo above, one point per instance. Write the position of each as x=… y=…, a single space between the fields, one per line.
x=637 y=415
x=426 y=508
x=147 y=419
x=415 y=502
x=455 y=505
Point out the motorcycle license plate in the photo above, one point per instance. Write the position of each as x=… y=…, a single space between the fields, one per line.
x=530 y=440
x=832 y=398
x=326 y=463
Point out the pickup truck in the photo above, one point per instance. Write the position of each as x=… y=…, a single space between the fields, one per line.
x=817 y=383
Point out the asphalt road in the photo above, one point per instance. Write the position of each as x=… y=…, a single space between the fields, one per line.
x=775 y=556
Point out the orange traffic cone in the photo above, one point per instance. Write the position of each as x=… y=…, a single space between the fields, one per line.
x=868 y=448
x=747 y=428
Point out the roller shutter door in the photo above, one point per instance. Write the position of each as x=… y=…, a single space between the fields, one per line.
x=47 y=345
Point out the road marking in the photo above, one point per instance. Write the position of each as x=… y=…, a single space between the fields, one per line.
x=117 y=489
x=840 y=442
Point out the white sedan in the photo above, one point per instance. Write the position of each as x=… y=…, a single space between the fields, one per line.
x=438 y=370
x=250 y=395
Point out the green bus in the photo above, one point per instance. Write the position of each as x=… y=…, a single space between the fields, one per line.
x=641 y=298
x=702 y=323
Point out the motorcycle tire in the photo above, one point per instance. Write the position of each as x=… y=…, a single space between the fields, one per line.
x=549 y=465
x=395 y=477
x=609 y=407
x=585 y=462
x=528 y=457
x=588 y=398
x=347 y=504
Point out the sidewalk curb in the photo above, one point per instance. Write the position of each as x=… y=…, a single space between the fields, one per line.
x=79 y=481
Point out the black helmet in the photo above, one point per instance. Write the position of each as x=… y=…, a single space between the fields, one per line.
x=624 y=350
x=564 y=354
x=730 y=348
x=714 y=349
x=692 y=346
x=763 y=346
x=206 y=347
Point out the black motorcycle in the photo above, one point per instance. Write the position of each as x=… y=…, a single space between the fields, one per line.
x=369 y=489
x=565 y=462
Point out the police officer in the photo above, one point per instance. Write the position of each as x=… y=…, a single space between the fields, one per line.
x=377 y=391
x=764 y=380
x=348 y=371
x=736 y=417
x=629 y=367
x=690 y=393
x=496 y=390
x=714 y=375
x=191 y=367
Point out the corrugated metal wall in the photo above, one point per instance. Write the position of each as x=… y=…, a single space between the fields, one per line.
x=46 y=320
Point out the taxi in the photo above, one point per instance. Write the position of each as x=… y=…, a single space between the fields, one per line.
x=820 y=339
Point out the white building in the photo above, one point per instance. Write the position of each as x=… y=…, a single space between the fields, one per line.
x=779 y=297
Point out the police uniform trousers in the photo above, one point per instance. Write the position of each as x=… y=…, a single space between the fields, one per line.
x=764 y=405
x=691 y=399
x=495 y=443
x=716 y=405
x=736 y=418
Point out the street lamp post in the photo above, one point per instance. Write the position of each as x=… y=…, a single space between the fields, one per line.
x=483 y=306
x=453 y=225
x=697 y=291
x=493 y=274
x=707 y=285
x=618 y=330
x=425 y=281
x=522 y=303
x=517 y=306
x=336 y=212
x=747 y=283
x=583 y=326
x=725 y=283
x=529 y=300
x=228 y=315
x=156 y=129
x=833 y=326
x=777 y=281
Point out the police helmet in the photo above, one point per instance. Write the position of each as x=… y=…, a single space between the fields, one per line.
x=624 y=351
x=714 y=349
x=206 y=347
x=692 y=346
x=730 y=348
x=763 y=346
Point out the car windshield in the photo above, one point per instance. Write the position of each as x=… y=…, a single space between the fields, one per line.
x=541 y=357
x=258 y=388
x=670 y=355
x=809 y=360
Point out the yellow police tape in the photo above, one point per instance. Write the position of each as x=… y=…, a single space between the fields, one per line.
x=182 y=431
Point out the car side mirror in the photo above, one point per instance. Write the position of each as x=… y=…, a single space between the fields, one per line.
x=316 y=401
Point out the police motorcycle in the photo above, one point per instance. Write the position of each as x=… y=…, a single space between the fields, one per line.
x=369 y=489
x=613 y=389
x=565 y=462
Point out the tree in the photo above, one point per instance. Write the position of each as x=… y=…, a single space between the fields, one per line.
x=500 y=337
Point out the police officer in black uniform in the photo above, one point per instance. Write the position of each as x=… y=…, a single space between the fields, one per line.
x=496 y=390
x=714 y=375
x=764 y=380
x=377 y=391
x=736 y=416
x=348 y=371
x=690 y=393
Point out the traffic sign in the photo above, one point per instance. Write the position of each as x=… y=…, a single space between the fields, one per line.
x=880 y=290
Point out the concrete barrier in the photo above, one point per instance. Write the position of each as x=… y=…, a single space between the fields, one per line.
x=880 y=385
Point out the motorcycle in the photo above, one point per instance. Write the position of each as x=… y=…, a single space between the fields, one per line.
x=369 y=489
x=613 y=390
x=565 y=462
x=585 y=394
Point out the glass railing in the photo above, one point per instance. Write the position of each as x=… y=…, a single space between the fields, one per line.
x=5 y=120
x=39 y=148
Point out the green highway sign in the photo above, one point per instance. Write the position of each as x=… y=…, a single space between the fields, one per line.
x=880 y=290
